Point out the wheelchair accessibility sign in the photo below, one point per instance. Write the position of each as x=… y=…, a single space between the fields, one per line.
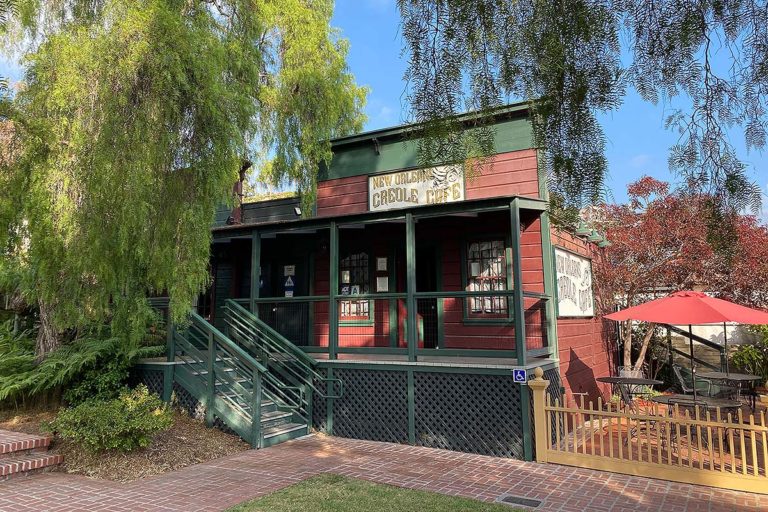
x=520 y=376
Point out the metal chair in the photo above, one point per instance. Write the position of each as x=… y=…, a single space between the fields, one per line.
x=685 y=379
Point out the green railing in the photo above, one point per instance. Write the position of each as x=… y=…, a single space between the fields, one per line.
x=291 y=373
x=225 y=378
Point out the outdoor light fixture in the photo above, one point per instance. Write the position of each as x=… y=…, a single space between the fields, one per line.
x=595 y=237
x=583 y=230
x=297 y=211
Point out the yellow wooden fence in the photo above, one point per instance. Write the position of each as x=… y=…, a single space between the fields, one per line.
x=711 y=448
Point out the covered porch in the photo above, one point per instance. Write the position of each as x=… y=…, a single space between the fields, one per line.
x=443 y=284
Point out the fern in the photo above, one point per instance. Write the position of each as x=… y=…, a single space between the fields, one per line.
x=70 y=365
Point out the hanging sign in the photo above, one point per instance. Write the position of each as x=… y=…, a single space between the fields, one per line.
x=574 y=285
x=419 y=187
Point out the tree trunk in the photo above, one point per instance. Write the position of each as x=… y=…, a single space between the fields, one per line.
x=48 y=338
x=627 y=338
x=644 y=346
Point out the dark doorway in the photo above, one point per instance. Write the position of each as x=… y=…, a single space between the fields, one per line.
x=427 y=268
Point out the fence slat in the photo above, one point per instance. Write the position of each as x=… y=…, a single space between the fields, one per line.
x=743 y=451
x=754 y=444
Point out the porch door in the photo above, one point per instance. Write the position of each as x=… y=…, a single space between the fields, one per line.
x=288 y=277
x=426 y=281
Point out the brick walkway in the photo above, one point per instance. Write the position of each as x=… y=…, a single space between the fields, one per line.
x=224 y=482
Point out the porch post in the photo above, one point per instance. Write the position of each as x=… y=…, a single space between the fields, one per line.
x=333 y=283
x=519 y=315
x=547 y=258
x=517 y=280
x=538 y=387
x=412 y=333
x=255 y=270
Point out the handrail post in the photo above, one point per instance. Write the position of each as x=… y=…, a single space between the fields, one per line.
x=256 y=410
x=255 y=271
x=333 y=282
x=539 y=387
x=169 y=340
x=211 y=380
x=307 y=391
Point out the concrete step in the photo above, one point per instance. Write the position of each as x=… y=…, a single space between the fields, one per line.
x=14 y=444
x=29 y=463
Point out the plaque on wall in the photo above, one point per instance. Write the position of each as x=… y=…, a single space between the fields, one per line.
x=574 y=284
x=382 y=284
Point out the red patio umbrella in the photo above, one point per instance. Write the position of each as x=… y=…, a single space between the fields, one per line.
x=692 y=308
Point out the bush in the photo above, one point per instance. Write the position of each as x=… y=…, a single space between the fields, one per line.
x=753 y=358
x=122 y=424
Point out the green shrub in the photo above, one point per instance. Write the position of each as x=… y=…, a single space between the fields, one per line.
x=753 y=358
x=123 y=424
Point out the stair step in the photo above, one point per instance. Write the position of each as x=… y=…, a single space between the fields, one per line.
x=28 y=463
x=275 y=419
x=283 y=429
x=13 y=444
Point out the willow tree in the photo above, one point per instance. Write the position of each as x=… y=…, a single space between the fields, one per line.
x=565 y=56
x=135 y=118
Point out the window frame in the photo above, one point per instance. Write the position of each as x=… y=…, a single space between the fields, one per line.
x=479 y=318
x=357 y=320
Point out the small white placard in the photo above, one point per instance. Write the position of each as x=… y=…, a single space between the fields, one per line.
x=345 y=276
x=355 y=289
x=289 y=293
x=381 y=264
x=289 y=270
x=382 y=284
x=474 y=269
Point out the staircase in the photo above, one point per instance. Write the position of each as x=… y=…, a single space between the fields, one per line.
x=21 y=454
x=251 y=379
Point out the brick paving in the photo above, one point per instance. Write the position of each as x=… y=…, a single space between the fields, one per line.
x=219 y=484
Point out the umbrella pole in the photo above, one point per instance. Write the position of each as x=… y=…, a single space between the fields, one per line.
x=693 y=367
x=725 y=344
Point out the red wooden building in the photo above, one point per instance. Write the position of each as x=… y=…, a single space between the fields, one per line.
x=424 y=293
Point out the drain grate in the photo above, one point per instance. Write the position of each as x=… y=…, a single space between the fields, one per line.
x=517 y=500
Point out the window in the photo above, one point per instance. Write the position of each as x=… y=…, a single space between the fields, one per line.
x=354 y=279
x=487 y=271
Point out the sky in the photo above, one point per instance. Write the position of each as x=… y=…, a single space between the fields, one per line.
x=637 y=142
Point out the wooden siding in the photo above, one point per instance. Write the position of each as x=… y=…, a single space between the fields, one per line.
x=513 y=173
x=586 y=345
x=508 y=174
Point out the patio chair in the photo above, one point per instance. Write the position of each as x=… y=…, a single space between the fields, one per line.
x=630 y=371
x=685 y=380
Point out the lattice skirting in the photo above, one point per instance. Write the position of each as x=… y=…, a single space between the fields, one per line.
x=467 y=412
x=150 y=377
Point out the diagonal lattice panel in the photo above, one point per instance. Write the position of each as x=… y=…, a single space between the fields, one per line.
x=469 y=413
x=374 y=405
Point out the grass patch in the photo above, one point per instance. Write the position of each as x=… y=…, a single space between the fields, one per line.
x=334 y=493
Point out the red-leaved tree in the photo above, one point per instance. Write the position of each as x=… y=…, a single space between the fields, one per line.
x=666 y=241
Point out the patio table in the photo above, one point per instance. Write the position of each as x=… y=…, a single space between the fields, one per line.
x=688 y=401
x=739 y=379
x=625 y=384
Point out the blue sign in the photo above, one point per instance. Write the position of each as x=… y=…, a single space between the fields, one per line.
x=520 y=375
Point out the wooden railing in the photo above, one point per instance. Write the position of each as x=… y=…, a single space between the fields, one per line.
x=675 y=443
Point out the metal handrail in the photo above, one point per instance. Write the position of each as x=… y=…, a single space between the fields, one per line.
x=262 y=336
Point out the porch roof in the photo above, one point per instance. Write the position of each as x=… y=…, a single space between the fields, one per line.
x=459 y=207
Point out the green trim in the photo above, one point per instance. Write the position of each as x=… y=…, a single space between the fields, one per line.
x=411 y=407
x=525 y=413
x=419 y=367
x=517 y=270
x=333 y=283
x=411 y=330
x=362 y=322
x=550 y=286
x=310 y=307
x=467 y=352
x=317 y=223
x=467 y=319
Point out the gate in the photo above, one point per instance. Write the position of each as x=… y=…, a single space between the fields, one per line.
x=677 y=444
